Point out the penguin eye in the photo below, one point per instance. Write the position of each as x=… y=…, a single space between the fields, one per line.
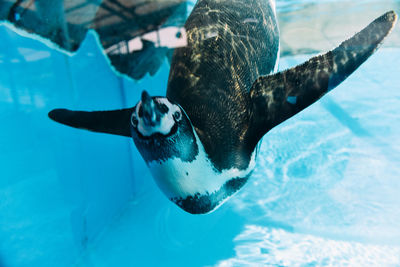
x=177 y=115
x=163 y=108
x=134 y=120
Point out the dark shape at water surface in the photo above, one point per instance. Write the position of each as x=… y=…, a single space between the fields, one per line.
x=118 y=23
x=150 y=56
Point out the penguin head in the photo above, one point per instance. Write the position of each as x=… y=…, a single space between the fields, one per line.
x=155 y=116
x=161 y=129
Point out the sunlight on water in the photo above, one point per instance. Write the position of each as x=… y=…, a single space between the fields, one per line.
x=263 y=246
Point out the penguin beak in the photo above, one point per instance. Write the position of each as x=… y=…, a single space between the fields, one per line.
x=150 y=114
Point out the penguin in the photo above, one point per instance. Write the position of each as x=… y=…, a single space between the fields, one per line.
x=200 y=142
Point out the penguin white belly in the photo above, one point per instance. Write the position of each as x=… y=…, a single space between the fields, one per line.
x=182 y=179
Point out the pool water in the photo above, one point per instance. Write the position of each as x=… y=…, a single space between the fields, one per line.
x=324 y=192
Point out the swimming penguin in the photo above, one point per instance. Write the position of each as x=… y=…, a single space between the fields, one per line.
x=200 y=141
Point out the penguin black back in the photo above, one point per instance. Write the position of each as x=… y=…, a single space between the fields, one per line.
x=230 y=45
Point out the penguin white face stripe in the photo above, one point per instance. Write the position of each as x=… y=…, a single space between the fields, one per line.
x=165 y=123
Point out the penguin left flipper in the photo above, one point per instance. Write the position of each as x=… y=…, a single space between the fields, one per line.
x=277 y=97
x=112 y=121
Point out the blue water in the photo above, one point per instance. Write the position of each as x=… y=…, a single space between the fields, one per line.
x=324 y=193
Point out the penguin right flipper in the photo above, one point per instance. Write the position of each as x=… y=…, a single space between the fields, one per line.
x=113 y=121
x=277 y=97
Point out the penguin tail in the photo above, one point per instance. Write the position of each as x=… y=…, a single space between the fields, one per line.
x=277 y=97
x=112 y=122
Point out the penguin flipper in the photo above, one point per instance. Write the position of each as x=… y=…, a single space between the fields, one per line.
x=277 y=97
x=113 y=121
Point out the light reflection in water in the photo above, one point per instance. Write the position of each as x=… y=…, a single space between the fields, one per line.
x=264 y=246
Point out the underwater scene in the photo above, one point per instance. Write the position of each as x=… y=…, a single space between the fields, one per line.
x=199 y=133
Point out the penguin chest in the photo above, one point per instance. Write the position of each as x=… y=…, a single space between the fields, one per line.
x=196 y=186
